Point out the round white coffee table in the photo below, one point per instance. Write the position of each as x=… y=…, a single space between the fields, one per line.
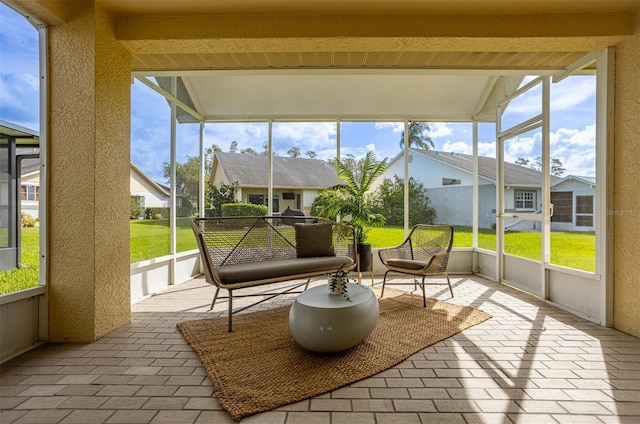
x=321 y=322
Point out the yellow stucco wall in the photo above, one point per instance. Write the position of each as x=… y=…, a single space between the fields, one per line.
x=626 y=195
x=88 y=147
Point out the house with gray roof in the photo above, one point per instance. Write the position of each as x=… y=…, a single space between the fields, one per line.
x=448 y=178
x=296 y=181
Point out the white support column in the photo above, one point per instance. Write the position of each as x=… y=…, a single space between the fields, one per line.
x=172 y=181
x=202 y=182
x=338 y=125
x=475 y=198
x=43 y=306
x=406 y=179
x=605 y=73
x=499 y=197
x=270 y=171
x=546 y=188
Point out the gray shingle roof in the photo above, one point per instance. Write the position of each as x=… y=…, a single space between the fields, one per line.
x=513 y=174
x=251 y=171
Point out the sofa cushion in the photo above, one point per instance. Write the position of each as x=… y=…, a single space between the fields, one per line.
x=287 y=269
x=314 y=240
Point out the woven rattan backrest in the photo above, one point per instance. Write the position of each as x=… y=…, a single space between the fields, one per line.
x=234 y=240
x=428 y=240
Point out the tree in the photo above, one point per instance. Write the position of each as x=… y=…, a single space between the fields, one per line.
x=248 y=151
x=354 y=166
x=220 y=196
x=233 y=147
x=417 y=136
x=311 y=154
x=350 y=200
x=187 y=179
x=136 y=207
x=557 y=168
x=390 y=202
x=294 y=152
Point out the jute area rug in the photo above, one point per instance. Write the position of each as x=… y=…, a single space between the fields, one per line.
x=259 y=366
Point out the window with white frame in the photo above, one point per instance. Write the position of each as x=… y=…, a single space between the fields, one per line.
x=525 y=200
x=30 y=193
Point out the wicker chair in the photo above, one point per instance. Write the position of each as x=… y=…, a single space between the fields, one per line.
x=424 y=252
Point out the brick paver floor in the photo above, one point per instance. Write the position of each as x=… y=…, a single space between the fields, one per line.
x=530 y=363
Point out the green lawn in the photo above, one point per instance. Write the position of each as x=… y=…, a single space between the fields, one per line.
x=570 y=249
x=150 y=239
x=29 y=275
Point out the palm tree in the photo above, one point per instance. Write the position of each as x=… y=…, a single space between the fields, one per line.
x=349 y=200
x=417 y=137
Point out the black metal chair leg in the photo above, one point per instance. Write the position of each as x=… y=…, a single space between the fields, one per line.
x=424 y=294
x=449 y=282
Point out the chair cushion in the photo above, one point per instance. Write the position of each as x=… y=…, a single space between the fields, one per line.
x=314 y=240
x=406 y=263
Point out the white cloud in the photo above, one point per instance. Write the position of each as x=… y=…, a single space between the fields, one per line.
x=439 y=130
x=575 y=137
x=396 y=127
x=572 y=91
x=306 y=135
x=487 y=149
x=457 y=147
x=523 y=147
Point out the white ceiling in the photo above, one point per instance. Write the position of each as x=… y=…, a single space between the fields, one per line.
x=336 y=95
x=346 y=94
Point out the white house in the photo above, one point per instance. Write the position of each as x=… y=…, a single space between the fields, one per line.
x=148 y=193
x=30 y=187
x=448 y=178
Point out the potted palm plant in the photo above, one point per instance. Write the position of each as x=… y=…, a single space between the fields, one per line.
x=350 y=201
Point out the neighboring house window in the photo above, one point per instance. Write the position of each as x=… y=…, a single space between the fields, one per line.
x=261 y=199
x=450 y=181
x=562 y=206
x=584 y=211
x=30 y=193
x=525 y=199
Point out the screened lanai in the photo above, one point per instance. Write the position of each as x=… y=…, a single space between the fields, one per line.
x=477 y=98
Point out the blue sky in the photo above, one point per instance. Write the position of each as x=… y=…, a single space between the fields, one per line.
x=572 y=119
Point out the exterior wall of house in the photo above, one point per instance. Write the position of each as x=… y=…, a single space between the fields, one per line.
x=626 y=190
x=431 y=172
x=219 y=177
x=30 y=207
x=88 y=280
x=576 y=188
x=152 y=197
x=453 y=205
x=308 y=196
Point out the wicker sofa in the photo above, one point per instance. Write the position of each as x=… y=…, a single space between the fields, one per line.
x=242 y=252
